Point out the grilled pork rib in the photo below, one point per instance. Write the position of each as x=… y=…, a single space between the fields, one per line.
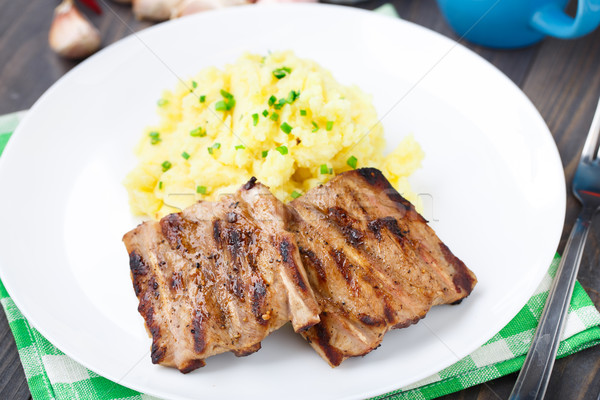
x=373 y=263
x=219 y=276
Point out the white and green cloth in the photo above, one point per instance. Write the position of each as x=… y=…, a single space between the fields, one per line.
x=53 y=375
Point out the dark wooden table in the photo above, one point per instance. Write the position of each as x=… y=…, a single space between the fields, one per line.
x=562 y=79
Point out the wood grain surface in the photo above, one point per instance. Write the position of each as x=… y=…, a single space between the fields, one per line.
x=562 y=79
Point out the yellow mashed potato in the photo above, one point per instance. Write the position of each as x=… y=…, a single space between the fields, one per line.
x=280 y=118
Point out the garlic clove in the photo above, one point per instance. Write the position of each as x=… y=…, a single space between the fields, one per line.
x=187 y=7
x=154 y=10
x=71 y=34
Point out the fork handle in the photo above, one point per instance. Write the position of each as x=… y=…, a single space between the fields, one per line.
x=535 y=374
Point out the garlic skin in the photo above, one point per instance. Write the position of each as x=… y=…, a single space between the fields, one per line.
x=188 y=7
x=154 y=10
x=71 y=34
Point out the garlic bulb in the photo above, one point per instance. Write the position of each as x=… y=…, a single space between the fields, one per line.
x=187 y=7
x=154 y=10
x=71 y=34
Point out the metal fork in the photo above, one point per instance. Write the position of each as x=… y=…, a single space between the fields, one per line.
x=533 y=378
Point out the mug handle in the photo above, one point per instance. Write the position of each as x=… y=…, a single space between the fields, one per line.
x=553 y=21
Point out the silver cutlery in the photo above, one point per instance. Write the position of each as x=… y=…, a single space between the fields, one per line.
x=535 y=374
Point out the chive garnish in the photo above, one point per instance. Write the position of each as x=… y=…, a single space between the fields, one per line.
x=160 y=185
x=352 y=161
x=185 y=155
x=162 y=102
x=303 y=113
x=201 y=189
x=274 y=116
x=279 y=105
x=240 y=147
x=265 y=153
x=281 y=72
x=198 y=132
x=292 y=96
x=227 y=103
x=329 y=125
x=202 y=99
x=194 y=84
x=166 y=165
x=212 y=148
x=272 y=100
x=154 y=137
x=282 y=149
x=286 y=128
x=254 y=119
x=316 y=127
x=324 y=169
x=295 y=194
x=265 y=113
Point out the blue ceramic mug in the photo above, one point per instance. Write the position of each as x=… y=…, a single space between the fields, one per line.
x=518 y=23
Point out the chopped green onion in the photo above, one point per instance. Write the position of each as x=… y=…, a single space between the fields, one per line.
x=303 y=113
x=352 y=162
x=240 y=147
x=194 y=84
x=324 y=169
x=154 y=137
x=316 y=127
x=201 y=189
x=329 y=125
x=330 y=171
x=185 y=155
x=202 y=99
x=272 y=100
x=281 y=72
x=286 y=128
x=282 y=149
x=295 y=194
x=279 y=105
x=162 y=102
x=227 y=103
x=198 y=132
x=264 y=153
x=160 y=185
x=166 y=165
x=274 y=116
x=292 y=96
x=265 y=113
x=212 y=148
x=254 y=119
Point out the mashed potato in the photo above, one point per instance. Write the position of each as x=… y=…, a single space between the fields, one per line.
x=280 y=118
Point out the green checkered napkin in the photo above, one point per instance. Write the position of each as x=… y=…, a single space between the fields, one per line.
x=53 y=375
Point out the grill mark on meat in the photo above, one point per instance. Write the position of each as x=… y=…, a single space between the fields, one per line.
x=234 y=242
x=391 y=224
x=462 y=280
x=247 y=350
x=250 y=184
x=311 y=259
x=286 y=248
x=157 y=353
x=139 y=269
x=236 y=287
x=345 y=224
x=370 y=321
x=259 y=291
x=192 y=365
x=323 y=337
x=217 y=232
x=408 y=322
x=198 y=332
x=342 y=264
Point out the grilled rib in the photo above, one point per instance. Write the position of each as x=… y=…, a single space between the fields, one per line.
x=373 y=263
x=217 y=277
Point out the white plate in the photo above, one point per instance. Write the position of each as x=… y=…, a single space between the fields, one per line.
x=492 y=185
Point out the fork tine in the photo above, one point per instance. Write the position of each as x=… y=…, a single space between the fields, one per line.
x=592 y=138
